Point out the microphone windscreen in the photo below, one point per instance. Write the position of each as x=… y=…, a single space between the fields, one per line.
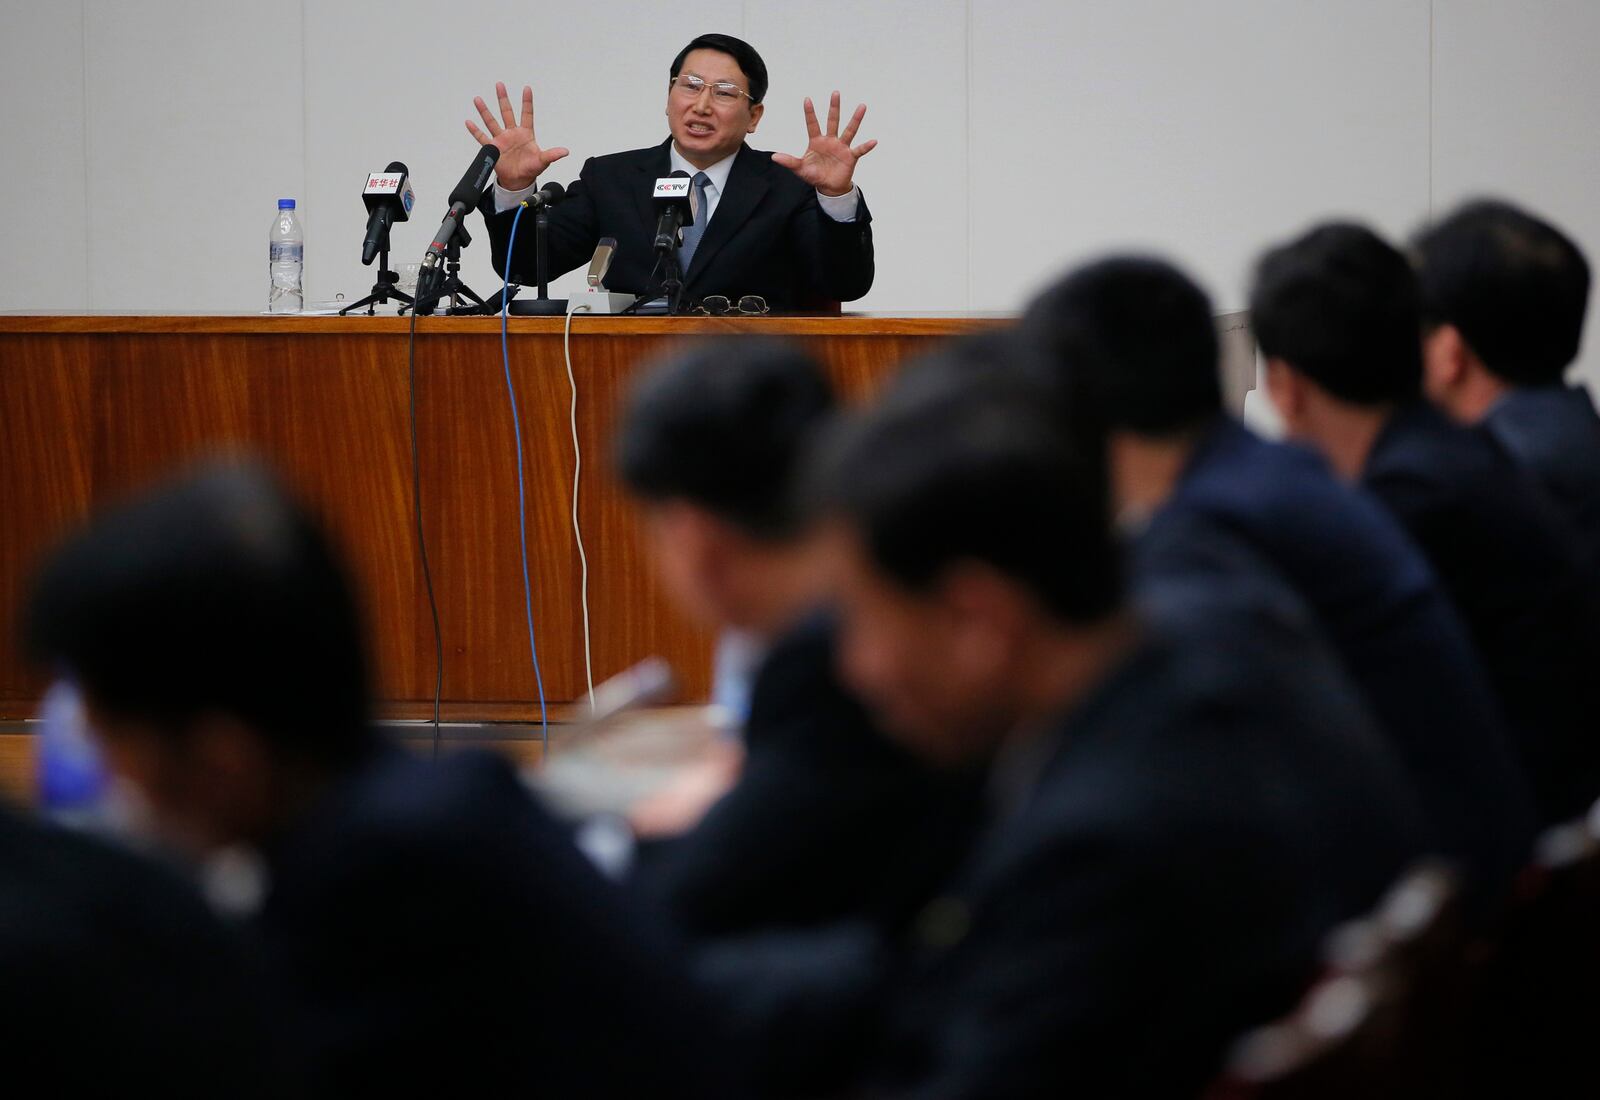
x=554 y=193
x=397 y=166
x=477 y=177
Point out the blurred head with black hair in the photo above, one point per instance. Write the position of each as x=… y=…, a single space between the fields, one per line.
x=1338 y=315
x=712 y=443
x=980 y=585
x=1504 y=295
x=217 y=644
x=1129 y=343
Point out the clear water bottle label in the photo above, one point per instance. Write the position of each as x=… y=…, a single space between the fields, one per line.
x=286 y=252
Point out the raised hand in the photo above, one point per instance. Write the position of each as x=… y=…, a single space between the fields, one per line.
x=521 y=160
x=829 y=162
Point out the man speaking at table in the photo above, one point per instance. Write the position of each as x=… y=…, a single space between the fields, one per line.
x=792 y=230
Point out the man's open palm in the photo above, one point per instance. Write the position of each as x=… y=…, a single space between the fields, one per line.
x=521 y=160
x=829 y=162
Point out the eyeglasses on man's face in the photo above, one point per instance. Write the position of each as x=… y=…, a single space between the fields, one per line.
x=724 y=94
x=716 y=305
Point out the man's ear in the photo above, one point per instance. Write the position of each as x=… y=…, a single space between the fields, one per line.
x=755 y=115
x=1286 y=389
x=1446 y=360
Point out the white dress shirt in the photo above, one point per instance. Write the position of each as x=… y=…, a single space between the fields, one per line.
x=841 y=208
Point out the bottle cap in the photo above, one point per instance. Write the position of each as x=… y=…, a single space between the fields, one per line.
x=285 y=204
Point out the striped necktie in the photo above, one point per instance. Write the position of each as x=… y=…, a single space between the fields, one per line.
x=693 y=233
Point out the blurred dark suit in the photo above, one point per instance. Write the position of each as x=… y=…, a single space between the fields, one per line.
x=1512 y=567
x=440 y=935
x=1161 y=866
x=118 y=980
x=1375 y=600
x=829 y=821
x=1554 y=431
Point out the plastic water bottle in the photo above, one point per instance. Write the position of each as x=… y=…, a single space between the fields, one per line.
x=286 y=259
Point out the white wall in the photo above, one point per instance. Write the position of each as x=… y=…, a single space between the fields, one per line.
x=145 y=142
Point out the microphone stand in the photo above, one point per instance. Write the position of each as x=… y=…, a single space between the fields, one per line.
x=452 y=286
x=672 y=279
x=386 y=289
x=543 y=305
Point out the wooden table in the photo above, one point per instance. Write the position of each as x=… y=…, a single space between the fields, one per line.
x=93 y=406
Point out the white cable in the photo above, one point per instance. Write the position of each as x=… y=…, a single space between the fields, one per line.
x=577 y=531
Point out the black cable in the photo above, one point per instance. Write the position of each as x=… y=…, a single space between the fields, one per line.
x=646 y=296
x=422 y=544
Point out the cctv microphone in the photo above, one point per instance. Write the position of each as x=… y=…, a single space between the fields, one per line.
x=389 y=199
x=463 y=200
x=604 y=252
x=672 y=200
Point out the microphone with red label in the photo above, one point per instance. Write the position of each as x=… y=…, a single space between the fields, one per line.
x=389 y=199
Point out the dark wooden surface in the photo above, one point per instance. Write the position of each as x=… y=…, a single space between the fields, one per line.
x=94 y=406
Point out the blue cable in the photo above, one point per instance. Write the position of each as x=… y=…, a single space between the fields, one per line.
x=522 y=505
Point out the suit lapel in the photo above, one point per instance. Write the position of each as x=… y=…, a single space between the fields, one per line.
x=652 y=168
x=747 y=185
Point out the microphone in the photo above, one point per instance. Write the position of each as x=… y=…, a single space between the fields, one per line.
x=595 y=298
x=389 y=198
x=463 y=200
x=672 y=200
x=604 y=252
x=646 y=684
x=548 y=195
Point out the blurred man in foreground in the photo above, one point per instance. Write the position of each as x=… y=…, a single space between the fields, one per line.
x=1129 y=342
x=433 y=930
x=1504 y=295
x=829 y=819
x=1171 y=829
x=1338 y=314
x=118 y=980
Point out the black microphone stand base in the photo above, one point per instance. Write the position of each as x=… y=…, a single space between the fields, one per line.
x=539 y=307
x=523 y=307
x=385 y=290
x=543 y=305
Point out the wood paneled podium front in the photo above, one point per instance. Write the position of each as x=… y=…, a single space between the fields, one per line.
x=93 y=406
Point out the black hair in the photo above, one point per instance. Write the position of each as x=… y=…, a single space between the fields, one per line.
x=1515 y=286
x=1133 y=337
x=726 y=426
x=213 y=593
x=955 y=465
x=1340 y=305
x=749 y=62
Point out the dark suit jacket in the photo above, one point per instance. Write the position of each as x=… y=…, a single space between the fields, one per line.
x=829 y=821
x=118 y=980
x=768 y=236
x=1554 y=431
x=439 y=935
x=1376 y=601
x=1511 y=566
x=1198 y=824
